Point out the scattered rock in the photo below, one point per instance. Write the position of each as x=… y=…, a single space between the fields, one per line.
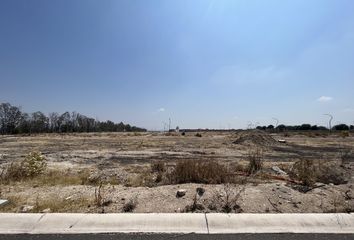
x=26 y=208
x=3 y=202
x=181 y=193
x=47 y=210
x=278 y=170
x=200 y=191
x=107 y=203
x=237 y=208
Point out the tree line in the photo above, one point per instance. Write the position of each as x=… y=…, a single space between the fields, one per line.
x=14 y=121
x=305 y=127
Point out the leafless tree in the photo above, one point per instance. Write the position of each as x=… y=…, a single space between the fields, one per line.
x=10 y=117
x=53 y=122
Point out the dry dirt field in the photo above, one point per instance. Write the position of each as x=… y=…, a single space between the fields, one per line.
x=169 y=172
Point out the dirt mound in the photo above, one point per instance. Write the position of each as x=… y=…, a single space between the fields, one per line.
x=256 y=137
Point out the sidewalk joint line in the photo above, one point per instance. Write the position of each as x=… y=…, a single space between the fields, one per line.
x=206 y=221
x=72 y=225
x=39 y=219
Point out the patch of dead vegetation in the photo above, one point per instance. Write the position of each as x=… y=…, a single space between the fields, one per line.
x=54 y=203
x=308 y=172
x=254 y=137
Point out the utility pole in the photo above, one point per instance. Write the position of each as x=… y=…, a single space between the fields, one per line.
x=164 y=126
x=169 y=124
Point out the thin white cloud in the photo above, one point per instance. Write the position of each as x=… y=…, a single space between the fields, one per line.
x=348 y=110
x=161 y=109
x=324 y=99
x=247 y=75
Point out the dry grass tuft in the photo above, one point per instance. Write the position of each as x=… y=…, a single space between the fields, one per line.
x=55 y=203
x=33 y=165
x=304 y=170
x=58 y=204
x=158 y=166
x=197 y=171
x=255 y=160
x=226 y=199
x=308 y=173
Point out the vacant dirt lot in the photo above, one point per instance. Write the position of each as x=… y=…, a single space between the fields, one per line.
x=142 y=172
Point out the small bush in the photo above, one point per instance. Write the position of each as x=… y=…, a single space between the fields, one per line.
x=33 y=165
x=230 y=199
x=198 y=135
x=195 y=206
x=344 y=134
x=13 y=172
x=255 y=160
x=308 y=173
x=226 y=199
x=331 y=173
x=304 y=170
x=197 y=171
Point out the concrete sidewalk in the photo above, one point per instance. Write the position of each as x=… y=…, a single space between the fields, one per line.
x=15 y=223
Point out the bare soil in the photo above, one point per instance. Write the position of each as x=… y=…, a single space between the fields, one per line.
x=124 y=161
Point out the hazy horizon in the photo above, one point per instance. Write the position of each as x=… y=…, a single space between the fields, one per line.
x=204 y=64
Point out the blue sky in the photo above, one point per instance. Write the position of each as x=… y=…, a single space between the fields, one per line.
x=206 y=63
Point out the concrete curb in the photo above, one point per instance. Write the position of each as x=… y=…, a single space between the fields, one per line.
x=281 y=223
x=61 y=223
